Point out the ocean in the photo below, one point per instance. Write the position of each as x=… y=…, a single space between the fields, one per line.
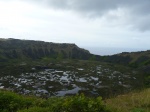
x=111 y=50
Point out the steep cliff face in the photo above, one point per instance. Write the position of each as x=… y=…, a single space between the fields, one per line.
x=30 y=49
x=18 y=49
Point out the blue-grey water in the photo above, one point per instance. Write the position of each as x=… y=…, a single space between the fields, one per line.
x=112 y=50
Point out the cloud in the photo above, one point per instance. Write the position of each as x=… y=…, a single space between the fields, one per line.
x=131 y=13
x=135 y=13
x=101 y=6
x=98 y=23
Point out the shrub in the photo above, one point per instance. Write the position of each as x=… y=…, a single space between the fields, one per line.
x=11 y=102
x=79 y=103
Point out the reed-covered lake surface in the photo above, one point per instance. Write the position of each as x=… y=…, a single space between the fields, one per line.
x=65 y=78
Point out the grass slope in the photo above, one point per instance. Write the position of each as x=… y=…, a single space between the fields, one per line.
x=132 y=102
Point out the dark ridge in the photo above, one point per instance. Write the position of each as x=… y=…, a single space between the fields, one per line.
x=19 y=49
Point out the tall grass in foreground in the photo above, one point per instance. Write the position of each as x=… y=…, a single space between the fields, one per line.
x=132 y=102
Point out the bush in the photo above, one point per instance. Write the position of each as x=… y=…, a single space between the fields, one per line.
x=11 y=102
x=36 y=109
x=78 y=103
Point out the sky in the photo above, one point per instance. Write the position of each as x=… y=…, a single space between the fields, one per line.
x=103 y=27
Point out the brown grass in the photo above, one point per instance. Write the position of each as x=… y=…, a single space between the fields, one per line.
x=132 y=102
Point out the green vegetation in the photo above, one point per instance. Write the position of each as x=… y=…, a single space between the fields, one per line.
x=11 y=102
x=20 y=56
x=131 y=102
x=11 y=49
x=15 y=50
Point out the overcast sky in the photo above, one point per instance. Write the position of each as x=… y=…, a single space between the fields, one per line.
x=88 y=23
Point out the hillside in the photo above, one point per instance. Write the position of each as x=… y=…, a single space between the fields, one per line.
x=131 y=102
x=133 y=59
x=29 y=49
x=48 y=70
x=136 y=60
x=33 y=53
